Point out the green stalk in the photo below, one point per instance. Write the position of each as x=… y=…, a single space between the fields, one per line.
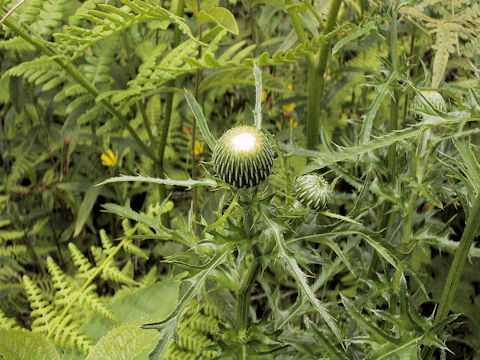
x=168 y=104
x=244 y=293
x=315 y=83
x=393 y=123
x=80 y=79
x=248 y=281
x=471 y=230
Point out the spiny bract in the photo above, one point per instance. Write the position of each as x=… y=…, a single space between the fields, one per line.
x=243 y=157
x=313 y=191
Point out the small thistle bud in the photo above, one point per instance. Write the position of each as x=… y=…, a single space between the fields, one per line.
x=433 y=97
x=313 y=191
x=243 y=157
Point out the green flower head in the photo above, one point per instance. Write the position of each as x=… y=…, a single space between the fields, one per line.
x=313 y=191
x=243 y=157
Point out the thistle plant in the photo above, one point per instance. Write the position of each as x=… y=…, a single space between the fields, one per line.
x=303 y=180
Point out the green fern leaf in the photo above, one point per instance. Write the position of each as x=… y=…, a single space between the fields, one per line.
x=6 y=322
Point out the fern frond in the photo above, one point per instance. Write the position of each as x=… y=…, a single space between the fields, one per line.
x=98 y=64
x=6 y=322
x=64 y=288
x=183 y=60
x=43 y=311
x=66 y=291
x=131 y=248
x=68 y=335
x=49 y=17
x=16 y=44
x=7 y=235
x=5 y=222
x=80 y=261
x=150 y=277
x=106 y=242
x=108 y=20
x=41 y=70
x=446 y=39
x=111 y=272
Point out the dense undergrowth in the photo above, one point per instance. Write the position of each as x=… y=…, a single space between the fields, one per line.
x=118 y=240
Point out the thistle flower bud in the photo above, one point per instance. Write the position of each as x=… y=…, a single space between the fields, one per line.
x=313 y=191
x=243 y=157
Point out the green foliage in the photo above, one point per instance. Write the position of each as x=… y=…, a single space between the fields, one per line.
x=150 y=255
x=21 y=344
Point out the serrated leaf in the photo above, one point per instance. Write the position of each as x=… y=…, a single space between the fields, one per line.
x=139 y=178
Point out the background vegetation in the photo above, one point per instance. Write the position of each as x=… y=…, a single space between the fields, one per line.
x=93 y=89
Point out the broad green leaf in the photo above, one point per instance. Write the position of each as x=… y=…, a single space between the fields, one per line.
x=124 y=343
x=152 y=303
x=21 y=344
x=220 y=16
x=86 y=207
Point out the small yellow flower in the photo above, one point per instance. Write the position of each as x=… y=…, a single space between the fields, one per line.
x=264 y=96
x=289 y=108
x=290 y=86
x=292 y=123
x=109 y=159
x=198 y=148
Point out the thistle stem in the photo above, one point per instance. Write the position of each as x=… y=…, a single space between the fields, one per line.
x=316 y=76
x=471 y=230
x=245 y=290
x=248 y=281
x=393 y=123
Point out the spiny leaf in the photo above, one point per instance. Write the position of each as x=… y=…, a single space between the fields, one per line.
x=300 y=277
x=140 y=178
